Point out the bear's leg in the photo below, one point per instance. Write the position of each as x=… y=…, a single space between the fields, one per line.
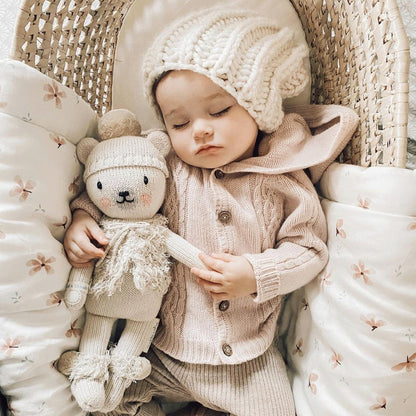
x=126 y=363
x=91 y=368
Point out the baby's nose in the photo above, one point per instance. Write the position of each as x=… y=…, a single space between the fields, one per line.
x=202 y=129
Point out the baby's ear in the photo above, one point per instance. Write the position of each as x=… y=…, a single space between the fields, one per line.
x=160 y=140
x=84 y=148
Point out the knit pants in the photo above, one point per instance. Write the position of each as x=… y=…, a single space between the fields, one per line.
x=259 y=387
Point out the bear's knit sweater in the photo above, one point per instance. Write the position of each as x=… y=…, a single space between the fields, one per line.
x=137 y=250
x=264 y=208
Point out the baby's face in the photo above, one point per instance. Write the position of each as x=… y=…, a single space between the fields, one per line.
x=206 y=125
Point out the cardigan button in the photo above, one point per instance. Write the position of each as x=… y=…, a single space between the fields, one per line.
x=224 y=305
x=224 y=217
x=219 y=174
x=227 y=350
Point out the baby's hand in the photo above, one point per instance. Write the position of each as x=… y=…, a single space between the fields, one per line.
x=229 y=276
x=79 y=238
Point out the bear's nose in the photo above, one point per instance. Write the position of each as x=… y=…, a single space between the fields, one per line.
x=124 y=193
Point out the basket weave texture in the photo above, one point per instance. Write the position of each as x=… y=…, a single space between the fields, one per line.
x=359 y=58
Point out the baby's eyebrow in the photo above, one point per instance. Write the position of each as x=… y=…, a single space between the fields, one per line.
x=220 y=94
x=174 y=112
x=180 y=111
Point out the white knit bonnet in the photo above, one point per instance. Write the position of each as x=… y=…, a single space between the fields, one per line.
x=246 y=54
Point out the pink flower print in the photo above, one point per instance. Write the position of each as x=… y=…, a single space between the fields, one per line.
x=62 y=224
x=73 y=331
x=339 y=230
x=53 y=93
x=74 y=185
x=312 y=378
x=41 y=262
x=371 y=321
x=336 y=360
x=2 y=103
x=60 y=141
x=409 y=364
x=412 y=226
x=10 y=408
x=22 y=189
x=10 y=345
x=364 y=203
x=381 y=404
x=2 y=235
x=298 y=348
x=326 y=279
x=304 y=304
x=360 y=271
x=54 y=299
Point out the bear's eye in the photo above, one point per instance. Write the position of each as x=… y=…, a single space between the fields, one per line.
x=99 y=185
x=146 y=180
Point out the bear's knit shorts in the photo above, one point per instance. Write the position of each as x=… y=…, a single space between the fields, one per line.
x=259 y=387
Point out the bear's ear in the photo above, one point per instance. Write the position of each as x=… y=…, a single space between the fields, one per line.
x=84 y=148
x=160 y=140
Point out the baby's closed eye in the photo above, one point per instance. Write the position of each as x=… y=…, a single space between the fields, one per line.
x=221 y=112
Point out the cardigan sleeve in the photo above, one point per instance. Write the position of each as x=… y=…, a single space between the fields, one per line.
x=84 y=202
x=300 y=251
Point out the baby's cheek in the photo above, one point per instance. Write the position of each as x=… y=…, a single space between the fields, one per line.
x=105 y=202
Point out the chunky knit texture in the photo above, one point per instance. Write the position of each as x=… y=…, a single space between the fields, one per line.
x=248 y=55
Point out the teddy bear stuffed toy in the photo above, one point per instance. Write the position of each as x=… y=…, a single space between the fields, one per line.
x=125 y=176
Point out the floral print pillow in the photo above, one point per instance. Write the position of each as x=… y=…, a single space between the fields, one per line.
x=40 y=123
x=352 y=348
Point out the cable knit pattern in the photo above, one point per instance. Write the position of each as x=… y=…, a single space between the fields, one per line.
x=248 y=55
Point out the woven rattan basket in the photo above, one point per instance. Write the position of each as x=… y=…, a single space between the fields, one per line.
x=359 y=58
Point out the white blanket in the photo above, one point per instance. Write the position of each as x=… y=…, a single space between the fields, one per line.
x=352 y=348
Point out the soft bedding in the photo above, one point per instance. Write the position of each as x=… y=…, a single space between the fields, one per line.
x=352 y=348
x=40 y=123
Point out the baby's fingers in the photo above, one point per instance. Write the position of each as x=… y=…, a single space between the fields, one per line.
x=97 y=234
x=80 y=256
x=211 y=262
x=207 y=275
x=85 y=249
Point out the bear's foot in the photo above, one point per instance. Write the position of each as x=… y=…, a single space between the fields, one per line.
x=89 y=394
x=89 y=372
x=123 y=371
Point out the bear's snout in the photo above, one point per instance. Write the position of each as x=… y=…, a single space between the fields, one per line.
x=124 y=197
